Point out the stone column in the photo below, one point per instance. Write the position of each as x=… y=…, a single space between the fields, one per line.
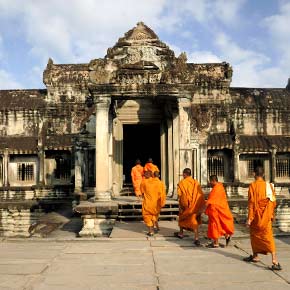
x=203 y=164
x=78 y=170
x=41 y=157
x=170 y=157
x=5 y=167
x=102 y=189
x=273 y=164
x=236 y=163
x=117 y=156
x=175 y=137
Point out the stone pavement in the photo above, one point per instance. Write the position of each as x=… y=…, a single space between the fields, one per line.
x=128 y=260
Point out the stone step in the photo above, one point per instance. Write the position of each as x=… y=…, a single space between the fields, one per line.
x=132 y=210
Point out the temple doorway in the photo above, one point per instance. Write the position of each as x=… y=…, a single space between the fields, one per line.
x=140 y=141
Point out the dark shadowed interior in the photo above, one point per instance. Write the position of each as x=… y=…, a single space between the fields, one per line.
x=140 y=141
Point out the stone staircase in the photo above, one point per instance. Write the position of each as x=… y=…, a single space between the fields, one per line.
x=130 y=209
x=127 y=190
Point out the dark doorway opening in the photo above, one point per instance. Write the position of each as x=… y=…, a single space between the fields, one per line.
x=140 y=141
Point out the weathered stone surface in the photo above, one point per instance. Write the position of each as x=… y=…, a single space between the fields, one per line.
x=69 y=137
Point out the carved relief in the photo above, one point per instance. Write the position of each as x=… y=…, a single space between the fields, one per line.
x=200 y=118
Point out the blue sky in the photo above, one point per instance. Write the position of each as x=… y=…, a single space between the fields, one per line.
x=252 y=35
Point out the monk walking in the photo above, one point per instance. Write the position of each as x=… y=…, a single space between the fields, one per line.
x=137 y=176
x=149 y=166
x=162 y=198
x=261 y=204
x=191 y=205
x=151 y=192
x=220 y=219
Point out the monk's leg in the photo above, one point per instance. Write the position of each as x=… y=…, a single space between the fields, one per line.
x=274 y=258
x=180 y=232
x=196 y=238
x=156 y=225
x=216 y=242
x=255 y=257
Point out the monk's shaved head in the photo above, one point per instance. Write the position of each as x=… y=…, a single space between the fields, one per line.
x=148 y=174
x=156 y=173
x=150 y=160
x=187 y=172
x=213 y=178
x=138 y=161
x=259 y=171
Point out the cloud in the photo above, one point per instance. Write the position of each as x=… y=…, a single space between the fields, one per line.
x=203 y=56
x=251 y=68
x=278 y=27
x=7 y=81
x=84 y=29
x=81 y=30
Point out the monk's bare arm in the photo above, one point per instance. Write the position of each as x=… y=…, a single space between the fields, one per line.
x=250 y=205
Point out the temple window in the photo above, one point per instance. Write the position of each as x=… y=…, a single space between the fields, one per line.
x=283 y=167
x=215 y=165
x=252 y=164
x=63 y=168
x=25 y=171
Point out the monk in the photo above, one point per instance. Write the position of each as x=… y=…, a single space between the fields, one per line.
x=220 y=219
x=162 y=198
x=261 y=205
x=191 y=205
x=137 y=173
x=151 y=193
x=149 y=166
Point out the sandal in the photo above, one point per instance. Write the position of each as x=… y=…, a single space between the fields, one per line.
x=197 y=243
x=276 y=267
x=250 y=259
x=212 y=246
x=178 y=235
x=149 y=234
x=228 y=239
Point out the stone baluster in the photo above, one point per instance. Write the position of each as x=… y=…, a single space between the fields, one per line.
x=273 y=163
x=5 y=167
x=41 y=157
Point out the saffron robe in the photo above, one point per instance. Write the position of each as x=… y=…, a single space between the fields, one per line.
x=151 y=192
x=151 y=167
x=137 y=176
x=260 y=215
x=220 y=219
x=191 y=203
x=162 y=190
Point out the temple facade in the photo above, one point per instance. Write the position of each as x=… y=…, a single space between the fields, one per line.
x=82 y=134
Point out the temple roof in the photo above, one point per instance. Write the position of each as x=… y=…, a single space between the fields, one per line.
x=261 y=97
x=19 y=144
x=249 y=143
x=22 y=99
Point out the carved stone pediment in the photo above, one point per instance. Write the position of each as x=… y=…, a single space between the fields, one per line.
x=141 y=44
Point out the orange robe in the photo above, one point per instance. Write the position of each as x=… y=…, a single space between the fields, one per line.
x=151 y=191
x=191 y=203
x=261 y=214
x=150 y=167
x=137 y=176
x=220 y=219
x=162 y=190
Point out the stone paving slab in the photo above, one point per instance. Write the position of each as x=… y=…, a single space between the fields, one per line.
x=120 y=263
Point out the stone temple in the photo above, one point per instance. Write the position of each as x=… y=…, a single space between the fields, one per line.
x=80 y=136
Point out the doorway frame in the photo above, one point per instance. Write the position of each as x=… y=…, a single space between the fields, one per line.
x=146 y=111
